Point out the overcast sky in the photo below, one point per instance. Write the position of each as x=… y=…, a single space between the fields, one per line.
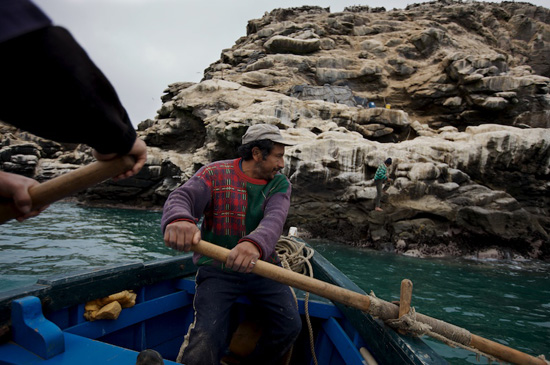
x=144 y=45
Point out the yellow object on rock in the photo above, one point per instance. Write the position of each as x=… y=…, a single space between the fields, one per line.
x=109 y=307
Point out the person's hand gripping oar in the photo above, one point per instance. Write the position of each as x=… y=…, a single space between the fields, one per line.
x=65 y=185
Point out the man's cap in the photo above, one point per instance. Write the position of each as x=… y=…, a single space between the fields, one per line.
x=265 y=131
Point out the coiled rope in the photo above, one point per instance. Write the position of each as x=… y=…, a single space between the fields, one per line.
x=295 y=256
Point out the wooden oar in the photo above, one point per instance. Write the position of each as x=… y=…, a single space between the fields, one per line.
x=69 y=183
x=372 y=305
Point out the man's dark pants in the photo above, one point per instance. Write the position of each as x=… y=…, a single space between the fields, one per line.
x=217 y=290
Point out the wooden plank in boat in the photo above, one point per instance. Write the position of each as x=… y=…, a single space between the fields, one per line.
x=96 y=352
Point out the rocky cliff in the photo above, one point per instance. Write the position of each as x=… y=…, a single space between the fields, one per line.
x=457 y=93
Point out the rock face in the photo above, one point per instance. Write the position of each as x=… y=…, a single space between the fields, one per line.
x=458 y=94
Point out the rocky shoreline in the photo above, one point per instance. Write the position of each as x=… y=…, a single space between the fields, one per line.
x=458 y=94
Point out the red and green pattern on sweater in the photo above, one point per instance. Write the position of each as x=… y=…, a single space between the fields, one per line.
x=237 y=204
x=236 y=207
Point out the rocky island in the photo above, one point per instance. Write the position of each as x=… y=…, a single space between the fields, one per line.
x=457 y=93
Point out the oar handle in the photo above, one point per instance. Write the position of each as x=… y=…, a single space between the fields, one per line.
x=69 y=183
x=362 y=302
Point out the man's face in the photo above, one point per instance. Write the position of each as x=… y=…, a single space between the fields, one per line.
x=274 y=162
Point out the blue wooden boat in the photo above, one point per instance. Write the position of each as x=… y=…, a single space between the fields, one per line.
x=44 y=323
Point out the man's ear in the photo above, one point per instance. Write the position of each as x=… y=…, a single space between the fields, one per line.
x=257 y=154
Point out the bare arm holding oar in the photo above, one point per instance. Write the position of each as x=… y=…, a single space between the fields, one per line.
x=374 y=306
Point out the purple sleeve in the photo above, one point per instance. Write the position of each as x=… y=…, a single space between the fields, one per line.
x=267 y=234
x=186 y=202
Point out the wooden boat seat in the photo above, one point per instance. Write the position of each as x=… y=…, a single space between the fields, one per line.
x=96 y=353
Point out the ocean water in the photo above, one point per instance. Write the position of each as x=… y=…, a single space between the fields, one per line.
x=68 y=237
x=504 y=301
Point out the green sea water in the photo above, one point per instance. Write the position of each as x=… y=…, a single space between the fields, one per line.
x=505 y=301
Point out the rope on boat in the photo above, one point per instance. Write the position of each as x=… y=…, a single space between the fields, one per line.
x=453 y=336
x=451 y=343
x=409 y=324
x=295 y=256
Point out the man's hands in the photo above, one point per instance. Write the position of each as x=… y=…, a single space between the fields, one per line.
x=138 y=151
x=243 y=257
x=16 y=187
x=182 y=235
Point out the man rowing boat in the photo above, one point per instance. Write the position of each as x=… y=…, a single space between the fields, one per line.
x=244 y=203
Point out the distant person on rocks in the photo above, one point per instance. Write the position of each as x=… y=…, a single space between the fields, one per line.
x=50 y=87
x=244 y=204
x=380 y=178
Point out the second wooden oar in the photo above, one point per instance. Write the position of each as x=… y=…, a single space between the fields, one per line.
x=69 y=183
x=374 y=306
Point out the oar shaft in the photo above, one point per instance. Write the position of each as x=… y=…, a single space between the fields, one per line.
x=69 y=183
x=504 y=352
x=363 y=302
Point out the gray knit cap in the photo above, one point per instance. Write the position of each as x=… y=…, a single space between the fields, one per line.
x=265 y=131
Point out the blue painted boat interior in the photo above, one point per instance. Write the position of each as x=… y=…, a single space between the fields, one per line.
x=158 y=321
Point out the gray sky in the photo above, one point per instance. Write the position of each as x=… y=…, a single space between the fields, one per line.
x=144 y=45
